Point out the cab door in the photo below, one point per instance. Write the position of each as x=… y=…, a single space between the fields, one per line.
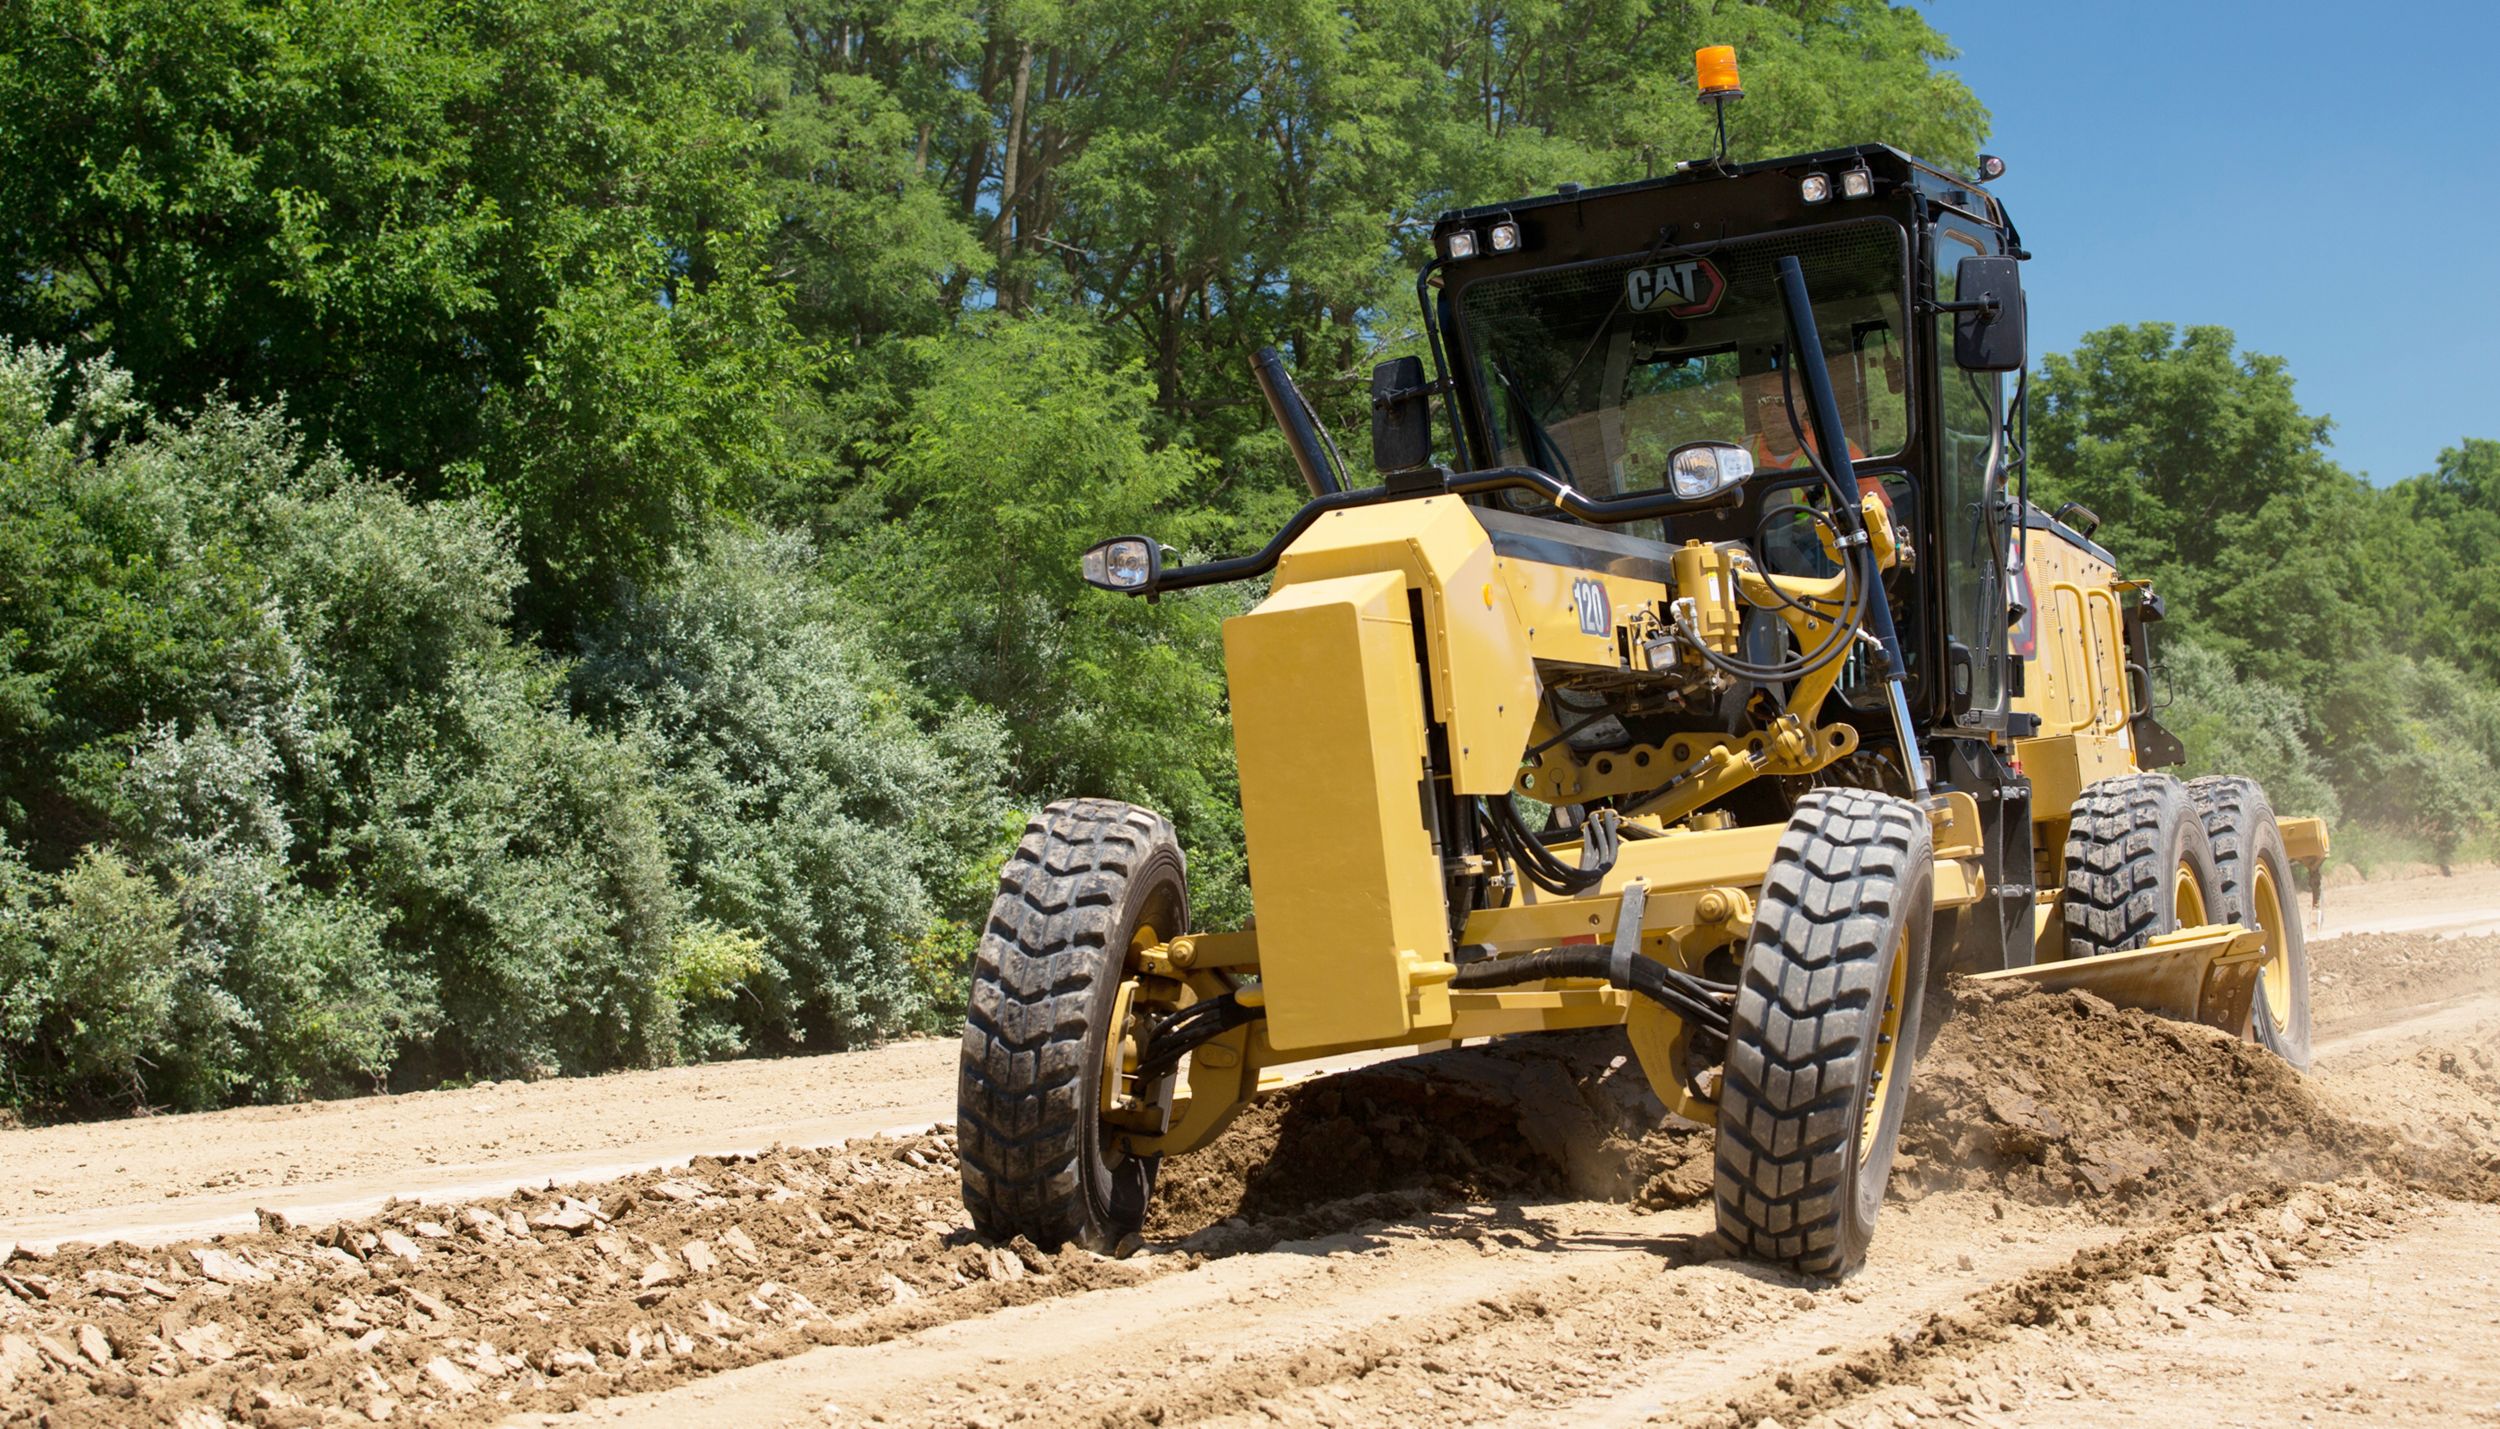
x=1969 y=411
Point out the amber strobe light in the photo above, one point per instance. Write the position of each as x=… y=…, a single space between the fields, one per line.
x=1714 y=71
x=1714 y=68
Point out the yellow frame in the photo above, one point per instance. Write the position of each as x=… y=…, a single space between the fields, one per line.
x=1396 y=648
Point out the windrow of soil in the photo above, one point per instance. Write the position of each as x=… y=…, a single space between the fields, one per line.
x=540 y=1300
x=2061 y=1097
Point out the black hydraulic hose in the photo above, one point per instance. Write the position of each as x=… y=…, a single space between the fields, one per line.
x=1539 y=866
x=1845 y=626
x=1309 y=445
x=1192 y=1029
x=1697 y=1002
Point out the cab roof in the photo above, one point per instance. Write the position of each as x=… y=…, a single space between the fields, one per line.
x=1892 y=168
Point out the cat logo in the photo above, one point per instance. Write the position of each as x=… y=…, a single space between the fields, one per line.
x=1685 y=288
x=1597 y=615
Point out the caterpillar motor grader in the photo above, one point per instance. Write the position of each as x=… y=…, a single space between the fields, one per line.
x=1711 y=675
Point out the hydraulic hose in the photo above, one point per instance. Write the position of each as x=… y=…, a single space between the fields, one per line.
x=1191 y=1029
x=1512 y=837
x=1702 y=1005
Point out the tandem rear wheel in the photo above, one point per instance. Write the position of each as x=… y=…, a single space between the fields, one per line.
x=2254 y=874
x=1820 y=1044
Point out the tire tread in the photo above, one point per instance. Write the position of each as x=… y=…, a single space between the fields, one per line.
x=1024 y=1082
x=1788 y=1110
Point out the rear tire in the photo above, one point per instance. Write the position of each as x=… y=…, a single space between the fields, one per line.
x=2257 y=892
x=1819 y=1048
x=2138 y=865
x=1038 y=1160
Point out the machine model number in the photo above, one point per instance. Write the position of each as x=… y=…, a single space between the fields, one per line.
x=1597 y=616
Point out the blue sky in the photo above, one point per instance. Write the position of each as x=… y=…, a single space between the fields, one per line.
x=2322 y=179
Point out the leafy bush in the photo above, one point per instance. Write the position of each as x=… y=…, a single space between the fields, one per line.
x=2235 y=724
x=98 y=1001
x=816 y=806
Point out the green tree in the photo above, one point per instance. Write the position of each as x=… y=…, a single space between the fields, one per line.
x=2443 y=539
x=509 y=247
x=1019 y=448
x=2211 y=479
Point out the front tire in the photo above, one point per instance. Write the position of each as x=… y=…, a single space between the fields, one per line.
x=1089 y=881
x=1819 y=1048
x=2257 y=892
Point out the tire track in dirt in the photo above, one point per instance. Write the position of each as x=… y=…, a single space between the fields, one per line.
x=2209 y=1265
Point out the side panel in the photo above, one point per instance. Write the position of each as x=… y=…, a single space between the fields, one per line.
x=1483 y=681
x=1328 y=726
x=2076 y=681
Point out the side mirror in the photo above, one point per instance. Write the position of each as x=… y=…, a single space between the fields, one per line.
x=1988 y=315
x=1401 y=416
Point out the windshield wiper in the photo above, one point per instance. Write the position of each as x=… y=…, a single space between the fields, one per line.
x=1541 y=448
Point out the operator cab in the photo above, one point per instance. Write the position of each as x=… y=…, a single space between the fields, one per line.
x=1592 y=333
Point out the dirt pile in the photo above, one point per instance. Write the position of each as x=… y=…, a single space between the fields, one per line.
x=1562 y=1115
x=2056 y=1097
x=464 y=1314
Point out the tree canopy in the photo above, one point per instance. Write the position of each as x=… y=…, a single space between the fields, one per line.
x=540 y=535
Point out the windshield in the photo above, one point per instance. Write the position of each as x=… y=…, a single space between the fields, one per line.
x=1597 y=371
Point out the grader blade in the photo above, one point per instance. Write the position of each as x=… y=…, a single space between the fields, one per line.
x=2205 y=974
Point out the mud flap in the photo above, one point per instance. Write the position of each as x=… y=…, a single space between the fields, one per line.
x=2206 y=974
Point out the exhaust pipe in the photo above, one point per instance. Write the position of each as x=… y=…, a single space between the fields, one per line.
x=1311 y=450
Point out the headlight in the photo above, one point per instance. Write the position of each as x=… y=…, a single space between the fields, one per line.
x=1128 y=563
x=1706 y=469
x=1505 y=236
x=1856 y=183
x=1814 y=188
x=1460 y=244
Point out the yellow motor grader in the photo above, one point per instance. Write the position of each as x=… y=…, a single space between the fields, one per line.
x=1713 y=676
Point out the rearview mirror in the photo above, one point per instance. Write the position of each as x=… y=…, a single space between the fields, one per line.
x=1988 y=315
x=1401 y=416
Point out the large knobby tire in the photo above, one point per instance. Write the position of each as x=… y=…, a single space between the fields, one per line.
x=2257 y=892
x=2138 y=865
x=1819 y=1048
x=1038 y=1161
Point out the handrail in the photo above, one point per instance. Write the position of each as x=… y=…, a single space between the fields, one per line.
x=1602 y=511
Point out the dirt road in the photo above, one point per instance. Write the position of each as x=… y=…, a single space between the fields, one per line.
x=2099 y=1218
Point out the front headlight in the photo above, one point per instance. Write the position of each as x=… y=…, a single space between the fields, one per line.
x=1702 y=469
x=1126 y=563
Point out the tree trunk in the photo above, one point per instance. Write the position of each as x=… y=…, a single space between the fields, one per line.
x=1008 y=172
